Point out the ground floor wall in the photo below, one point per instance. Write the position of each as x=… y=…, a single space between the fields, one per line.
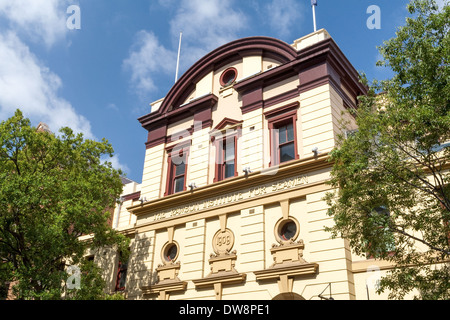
x=254 y=249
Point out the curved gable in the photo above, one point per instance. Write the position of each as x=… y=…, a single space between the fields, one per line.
x=314 y=64
x=267 y=47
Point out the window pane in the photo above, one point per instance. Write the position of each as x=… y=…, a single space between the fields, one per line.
x=229 y=150
x=290 y=132
x=287 y=152
x=229 y=169
x=288 y=230
x=171 y=252
x=178 y=184
x=282 y=134
x=123 y=278
x=179 y=169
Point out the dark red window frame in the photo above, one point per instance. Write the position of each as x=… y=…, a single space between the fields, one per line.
x=220 y=164
x=121 y=274
x=276 y=119
x=172 y=168
x=228 y=77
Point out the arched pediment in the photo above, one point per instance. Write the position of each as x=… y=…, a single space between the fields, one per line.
x=265 y=46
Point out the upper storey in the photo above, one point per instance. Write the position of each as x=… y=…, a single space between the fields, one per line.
x=253 y=103
x=258 y=62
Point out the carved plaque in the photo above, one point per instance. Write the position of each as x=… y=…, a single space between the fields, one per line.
x=223 y=241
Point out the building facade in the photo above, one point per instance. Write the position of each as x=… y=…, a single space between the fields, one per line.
x=236 y=168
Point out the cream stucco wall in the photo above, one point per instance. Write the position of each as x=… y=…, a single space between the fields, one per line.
x=254 y=210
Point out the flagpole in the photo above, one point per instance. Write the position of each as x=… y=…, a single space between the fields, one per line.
x=314 y=17
x=178 y=57
x=313 y=5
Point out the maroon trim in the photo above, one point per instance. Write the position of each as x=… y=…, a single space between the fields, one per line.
x=252 y=100
x=322 y=63
x=132 y=196
x=318 y=75
x=230 y=51
x=254 y=52
x=222 y=82
x=179 y=135
x=234 y=50
x=156 y=135
x=182 y=112
x=316 y=65
x=170 y=166
x=204 y=116
x=274 y=114
x=200 y=108
x=120 y=272
x=279 y=117
x=220 y=161
x=227 y=121
x=285 y=96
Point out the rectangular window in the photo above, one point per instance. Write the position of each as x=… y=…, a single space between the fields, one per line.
x=177 y=169
x=226 y=151
x=179 y=175
x=384 y=240
x=283 y=136
x=121 y=276
x=286 y=142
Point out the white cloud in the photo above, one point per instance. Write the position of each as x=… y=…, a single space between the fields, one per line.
x=148 y=58
x=26 y=84
x=206 y=25
x=116 y=164
x=112 y=106
x=284 y=16
x=40 y=20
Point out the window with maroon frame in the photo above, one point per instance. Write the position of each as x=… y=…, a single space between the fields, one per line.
x=226 y=152
x=286 y=142
x=177 y=165
x=228 y=77
x=121 y=275
x=283 y=134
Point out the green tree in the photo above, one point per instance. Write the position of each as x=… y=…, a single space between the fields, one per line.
x=392 y=198
x=53 y=190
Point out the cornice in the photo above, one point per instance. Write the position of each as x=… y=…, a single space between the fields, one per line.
x=189 y=109
x=316 y=65
x=234 y=50
x=225 y=277
x=257 y=178
x=324 y=51
x=168 y=286
x=291 y=269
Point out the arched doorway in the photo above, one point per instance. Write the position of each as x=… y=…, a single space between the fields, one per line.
x=288 y=296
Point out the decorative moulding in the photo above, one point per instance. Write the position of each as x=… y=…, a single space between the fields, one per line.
x=164 y=288
x=288 y=264
x=168 y=281
x=222 y=273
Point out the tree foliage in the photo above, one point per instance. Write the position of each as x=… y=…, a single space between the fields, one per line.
x=53 y=190
x=392 y=198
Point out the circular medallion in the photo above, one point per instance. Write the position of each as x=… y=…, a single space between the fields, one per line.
x=223 y=241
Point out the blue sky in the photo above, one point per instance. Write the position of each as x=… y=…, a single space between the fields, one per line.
x=100 y=78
